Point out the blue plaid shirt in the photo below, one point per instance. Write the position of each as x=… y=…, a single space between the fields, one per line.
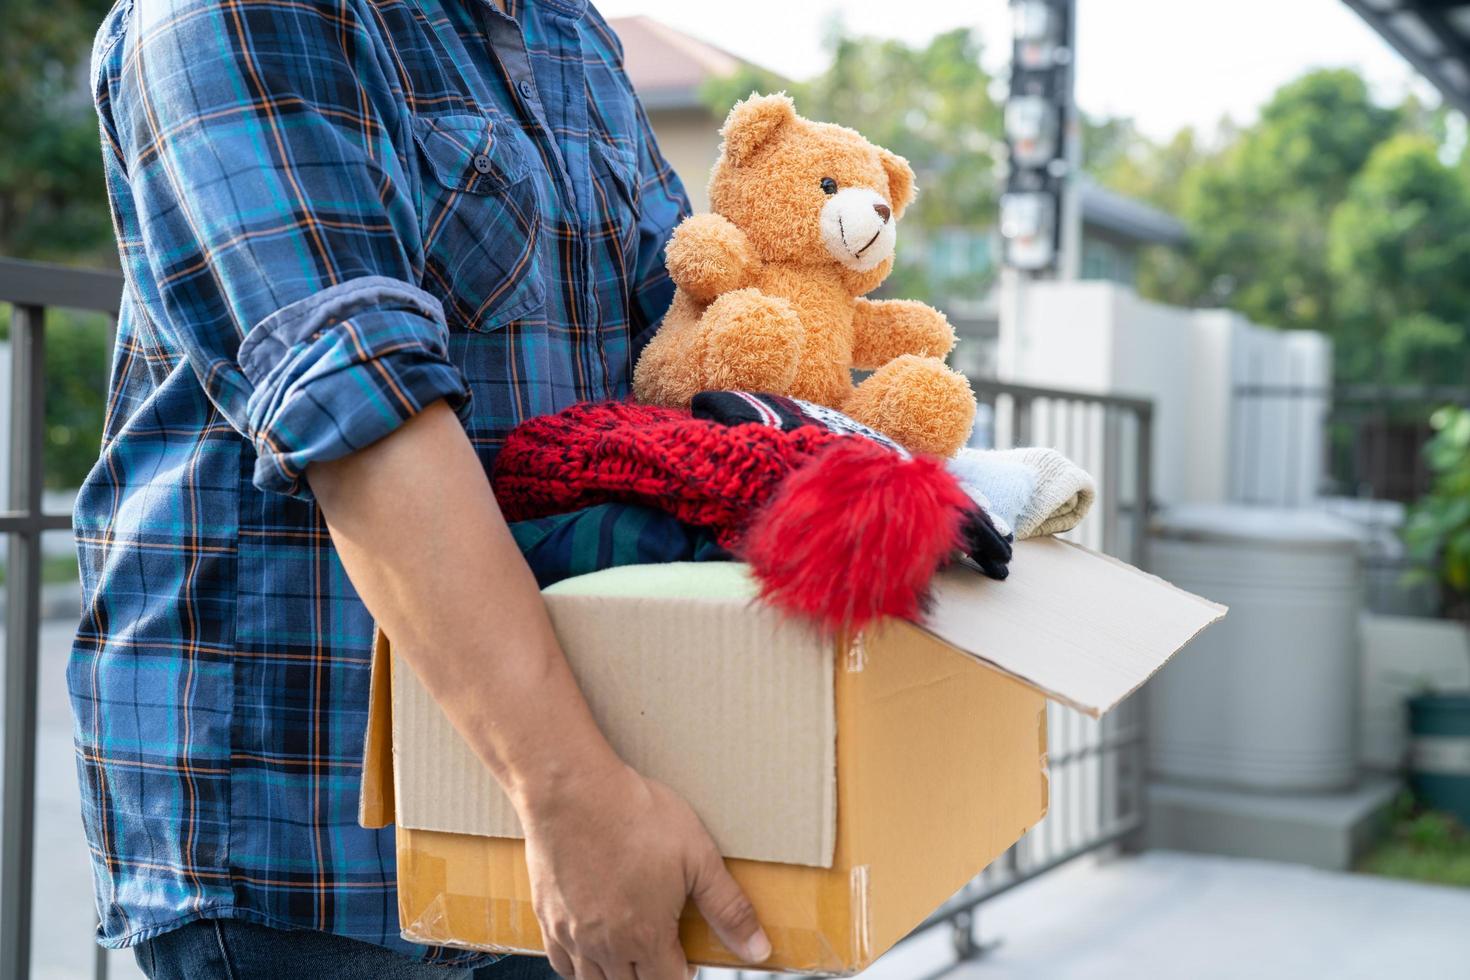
x=330 y=214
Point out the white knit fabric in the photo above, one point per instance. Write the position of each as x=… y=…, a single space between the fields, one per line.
x=1034 y=490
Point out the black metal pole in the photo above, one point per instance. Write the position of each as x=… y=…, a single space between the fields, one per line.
x=22 y=638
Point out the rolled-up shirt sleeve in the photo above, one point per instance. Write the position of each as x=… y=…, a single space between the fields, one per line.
x=271 y=168
x=340 y=369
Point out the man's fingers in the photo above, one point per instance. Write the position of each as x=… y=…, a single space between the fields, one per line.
x=727 y=910
x=560 y=961
x=665 y=964
x=587 y=969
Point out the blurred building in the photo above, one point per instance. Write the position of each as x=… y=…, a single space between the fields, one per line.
x=669 y=68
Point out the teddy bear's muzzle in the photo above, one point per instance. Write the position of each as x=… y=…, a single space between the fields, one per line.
x=858 y=228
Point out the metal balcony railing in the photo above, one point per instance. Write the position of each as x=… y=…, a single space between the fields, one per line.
x=1369 y=467
x=1097 y=768
x=30 y=289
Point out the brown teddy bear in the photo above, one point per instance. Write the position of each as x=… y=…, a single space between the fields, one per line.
x=770 y=285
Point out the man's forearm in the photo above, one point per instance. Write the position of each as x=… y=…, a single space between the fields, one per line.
x=427 y=549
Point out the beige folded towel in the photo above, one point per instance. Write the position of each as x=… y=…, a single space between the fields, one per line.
x=1064 y=493
x=1035 y=491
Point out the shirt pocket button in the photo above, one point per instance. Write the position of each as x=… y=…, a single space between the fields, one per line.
x=480 y=218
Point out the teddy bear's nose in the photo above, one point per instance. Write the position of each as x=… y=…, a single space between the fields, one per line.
x=883 y=212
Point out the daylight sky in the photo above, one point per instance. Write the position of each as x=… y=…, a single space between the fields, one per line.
x=1167 y=63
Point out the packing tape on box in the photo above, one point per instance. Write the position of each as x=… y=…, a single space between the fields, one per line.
x=446 y=881
x=862 y=914
x=857 y=655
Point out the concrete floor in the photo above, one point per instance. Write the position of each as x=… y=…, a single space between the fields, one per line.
x=1159 y=916
x=1165 y=915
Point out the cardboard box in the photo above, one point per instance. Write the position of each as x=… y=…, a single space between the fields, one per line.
x=853 y=786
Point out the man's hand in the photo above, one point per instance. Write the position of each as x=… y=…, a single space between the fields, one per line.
x=613 y=856
x=611 y=864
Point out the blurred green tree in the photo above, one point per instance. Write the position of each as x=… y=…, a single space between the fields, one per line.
x=1121 y=158
x=1330 y=212
x=1399 y=252
x=53 y=204
x=76 y=386
x=1437 y=531
x=930 y=104
x=1111 y=144
x=1259 y=209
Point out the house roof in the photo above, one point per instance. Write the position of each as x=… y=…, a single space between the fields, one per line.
x=667 y=66
x=1432 y=35
x=1125 y=217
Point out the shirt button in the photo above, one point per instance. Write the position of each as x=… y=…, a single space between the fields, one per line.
x=482 y=163
x=526 y=89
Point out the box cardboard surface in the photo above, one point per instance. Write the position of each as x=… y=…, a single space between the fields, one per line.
x=853 y=785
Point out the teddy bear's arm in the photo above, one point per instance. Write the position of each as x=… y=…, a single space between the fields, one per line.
x=883 y=329
x=708 y=255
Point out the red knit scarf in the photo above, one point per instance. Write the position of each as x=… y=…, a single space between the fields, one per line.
x=837 y=528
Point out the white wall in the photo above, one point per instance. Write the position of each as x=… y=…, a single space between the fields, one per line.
x=1279 y=439
x=1210 y=444
x=690 y=141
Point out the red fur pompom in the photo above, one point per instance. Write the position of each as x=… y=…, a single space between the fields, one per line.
x=855 y=535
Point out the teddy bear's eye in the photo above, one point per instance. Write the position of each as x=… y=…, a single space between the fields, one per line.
x=829 y=186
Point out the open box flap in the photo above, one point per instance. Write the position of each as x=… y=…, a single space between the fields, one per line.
x=1084 y=629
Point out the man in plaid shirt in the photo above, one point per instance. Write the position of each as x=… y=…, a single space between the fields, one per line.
x=362 y=240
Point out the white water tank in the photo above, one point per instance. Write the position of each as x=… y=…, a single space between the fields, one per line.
x=1266 y=699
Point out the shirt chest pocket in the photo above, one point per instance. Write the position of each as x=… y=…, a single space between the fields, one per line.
x=481 y=220
x=615 y=180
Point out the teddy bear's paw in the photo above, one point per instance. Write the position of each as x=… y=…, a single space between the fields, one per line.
x=749 y=342
x=917 y=401
x=707 y=256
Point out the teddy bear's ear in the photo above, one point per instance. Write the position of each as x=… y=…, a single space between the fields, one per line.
x=901 y=188
x=753 y=122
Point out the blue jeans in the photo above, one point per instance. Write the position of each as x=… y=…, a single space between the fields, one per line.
x=227 y=949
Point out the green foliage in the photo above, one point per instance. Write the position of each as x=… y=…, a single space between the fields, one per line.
x=1437 y=529
x=1131 y=164
x=76 y=392
x=1422 y=845
x=1116 y=155
x=1329 y=213
x=1259 y=210
x=55 y=570
x=930 y=104
x=1109 y=143
x=53 y=203
x=1400 y=253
